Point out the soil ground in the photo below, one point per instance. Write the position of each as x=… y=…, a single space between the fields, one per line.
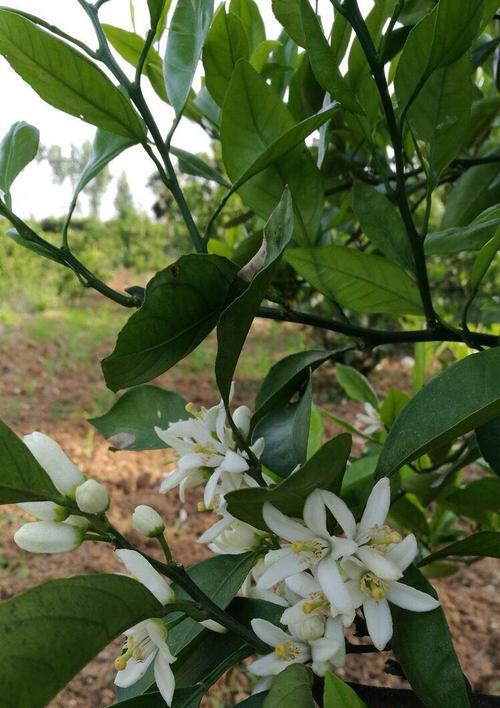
x=50 y=381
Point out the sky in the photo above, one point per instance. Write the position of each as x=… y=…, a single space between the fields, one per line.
x=34 y=194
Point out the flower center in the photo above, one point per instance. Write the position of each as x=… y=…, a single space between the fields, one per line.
x=381 y=536
x=313 y=547
x=287 y=651
x=317 y=601
x=372 y=586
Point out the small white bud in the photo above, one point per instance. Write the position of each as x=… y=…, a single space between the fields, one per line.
x=92 y=497
x=48 y=537
x=147 y=521
x=80 y=521
x=311 y=627
x=64 y=474
x=241 y=418
x=214 y=626
x=45 y=511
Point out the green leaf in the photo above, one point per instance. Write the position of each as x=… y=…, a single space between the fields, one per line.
x=324 y=61
x=360 y=281
x=18 y=148
x=255 y=701
x=286 y=377
x=286 y=432
x=475 y=499
x=248 y=12
x=65 y=78
x=484 y=544
x=157 y=8
x=439 y=117
x=22 y=479
x=438 y=40
x=288 y=14
x=130 y=423
x=382 y=224
x=392 y=406
x=476 y=190
x=76 y=617
x=461 y=398
x=181 y=306
x=339 y=695
x=357 y=482
x=193 y=165
x=293 y=687
x=487 y=437
x=263 y=152
x=465 y=238
x=356 y=386
x=422 y=644
x=409 y=515
x=226 y=43
x=483 y=260
x=235 y=322
x=260 y=54
x=324 y=470
x=188 y=30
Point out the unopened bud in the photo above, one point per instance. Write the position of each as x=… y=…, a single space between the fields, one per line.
x=92 y=497
x=64 y=474
x=48 y=537
x=147 y=521
x=45 y=510
x=214 y=626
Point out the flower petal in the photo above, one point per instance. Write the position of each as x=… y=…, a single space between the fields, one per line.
x=234 y=463
x=211 y=486
x=378 y=621
x=173 y=480
x=303 y=584
x=377 y=506
x=357 y=597
x=404 y=552
x=283 y=526
x=381 y=566
x=333 y=586
x=164 y=677
x=315 y=513
x=216 y=529
x=410 y=598
x=283 y=568
x=268 y=665
x=268 y=632
x=133 y=671
x=343 y=547
x=341 y=512
x=141 y=569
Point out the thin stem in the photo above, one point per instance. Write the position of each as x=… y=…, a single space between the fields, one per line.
x=390 y=27
x=166 y=548
x=143 y=56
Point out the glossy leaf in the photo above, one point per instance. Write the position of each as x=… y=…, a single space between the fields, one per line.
x=182 y=305
x=22 y=479
x=193 y=165
x=360 y=281
x=289 y=15
x=483 y=544
x=248 y=12
x=286 y=377
x=286 y=433
x=292 y=686
x=262 y=151
x=130 y=422
x=422 y=644
x=392 y=406
x=471 y=389
x=156 y=10
x=324 y=470
x=77 y=617
x=356 y=386
x=465 y=238
x=226 y=43
x=65 y=78
x=476 y=190
x=260 y=54
x=17 y=149
x=488 y=437
x=339 y=695
x=441 y=38
x=475 y=499
x=483 y=260
x=439 y=117
x=235 y=322
x=188 y=30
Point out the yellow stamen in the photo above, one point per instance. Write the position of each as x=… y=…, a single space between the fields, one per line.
x=298 y=546
x=121 y=661
x=191 y=408
x=372 y=586
x=287 y=651
x=201 y=506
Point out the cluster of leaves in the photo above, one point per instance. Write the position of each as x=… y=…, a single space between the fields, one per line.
x=403 y=176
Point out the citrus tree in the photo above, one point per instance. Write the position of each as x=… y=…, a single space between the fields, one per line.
x=365 y=153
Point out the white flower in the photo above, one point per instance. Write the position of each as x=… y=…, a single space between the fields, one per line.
x=48 y=537
x=46 y=511
x=375 y=593
x=310 y=610
x=207 y=450
x=92 y=497
x=229 y=535
x=146 y=641
x=147 y=521
x=64 y=474
x=287 y=649
x=328 y=652
x=370 y=419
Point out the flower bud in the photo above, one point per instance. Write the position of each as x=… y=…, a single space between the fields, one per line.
x=80 y=521
x=241 y=418
x=48 y=537
x=311 y=627
x=147 y=521
x=214 y=626
x=92 y=497
x=45 y=511
x=64 y=474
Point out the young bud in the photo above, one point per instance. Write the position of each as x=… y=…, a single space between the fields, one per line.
x=48 y=537
x=147 y=521
x=92 y=497
x=64 y=474
x=214 y=626
x=45 y=511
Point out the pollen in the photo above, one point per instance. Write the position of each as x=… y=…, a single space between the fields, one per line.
x=288 y=651
x=384 y=536
x=298 y=546
x=372 y=586
x=121 y=661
